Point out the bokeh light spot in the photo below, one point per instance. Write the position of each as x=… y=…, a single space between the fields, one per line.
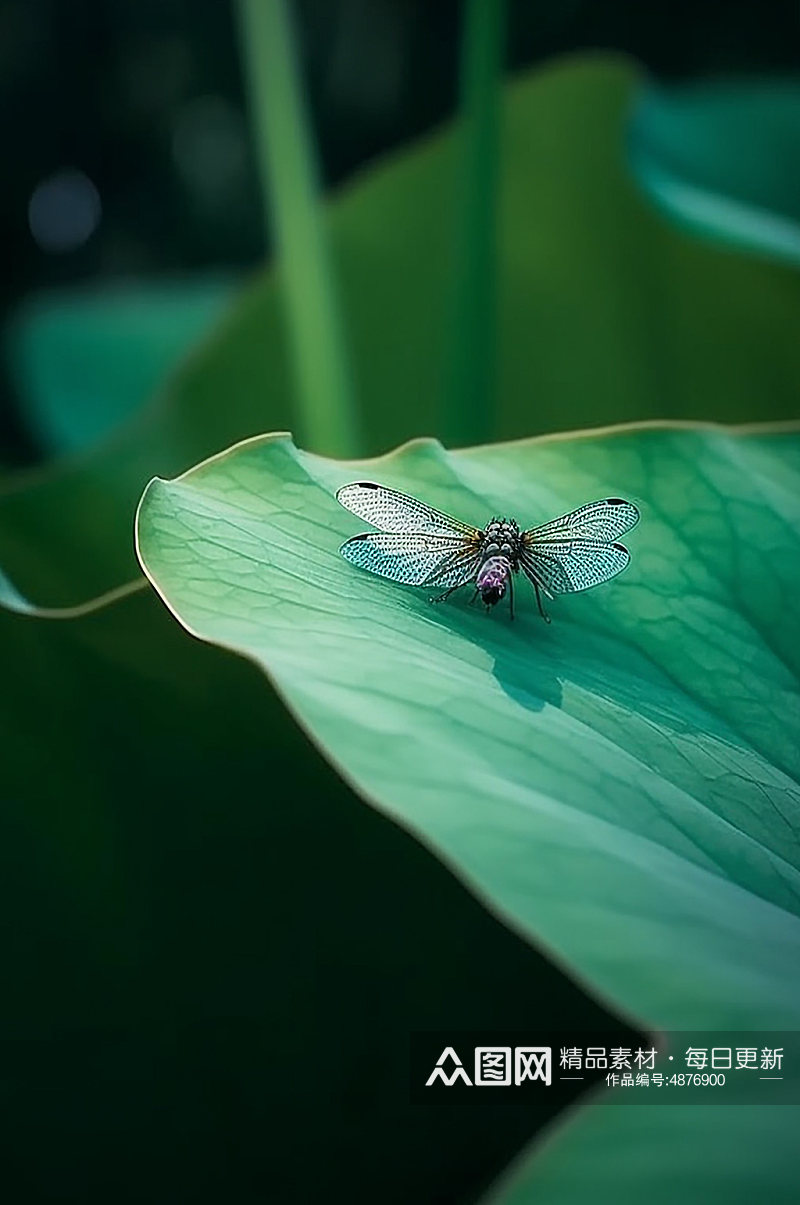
x=64 y=211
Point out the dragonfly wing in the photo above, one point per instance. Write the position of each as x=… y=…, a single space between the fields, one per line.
x=455 y=571
x=413 y=559
x=389 y=510
x=570 y=566
x=606 y=520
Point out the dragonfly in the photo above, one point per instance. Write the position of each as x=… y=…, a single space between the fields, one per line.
x=417 y=545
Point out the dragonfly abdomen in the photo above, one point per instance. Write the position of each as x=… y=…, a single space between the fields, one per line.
x=493 y=578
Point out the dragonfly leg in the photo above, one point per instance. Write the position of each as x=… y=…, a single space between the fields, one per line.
x=445 y=594
x=511 y=593
x=475 y=595
x=542 y=611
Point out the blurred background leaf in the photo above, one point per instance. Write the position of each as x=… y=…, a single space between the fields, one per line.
x=722 y=157
x=86 y=361
x=130 y=158
x=605 y=314
x=708 y=1154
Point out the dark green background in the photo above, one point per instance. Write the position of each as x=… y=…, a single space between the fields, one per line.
x=102 y=84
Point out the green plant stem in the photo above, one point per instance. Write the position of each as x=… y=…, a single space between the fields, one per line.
x=470 y=382
x=327 y=418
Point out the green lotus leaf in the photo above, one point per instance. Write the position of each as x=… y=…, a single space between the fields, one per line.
x=702 y=1155
x=721 y=156
x=84 y=361
x=621 y=784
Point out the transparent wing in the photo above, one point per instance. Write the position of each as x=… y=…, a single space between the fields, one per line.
x=413 y=559
x=457 y=571
x=389 y=510
x=567 y=567
x=606 y=520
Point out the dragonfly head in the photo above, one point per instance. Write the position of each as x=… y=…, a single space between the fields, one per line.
x=492 y=580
